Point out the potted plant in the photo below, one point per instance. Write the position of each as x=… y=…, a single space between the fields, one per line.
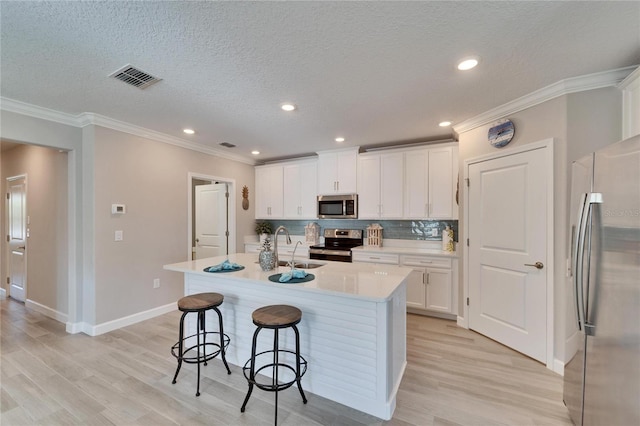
x=263 y=229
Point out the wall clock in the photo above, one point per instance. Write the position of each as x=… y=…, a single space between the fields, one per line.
x=501 y=133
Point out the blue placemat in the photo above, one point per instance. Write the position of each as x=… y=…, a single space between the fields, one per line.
x=276 y=279
x=223 y=270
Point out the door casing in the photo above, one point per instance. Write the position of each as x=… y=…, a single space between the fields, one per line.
x=548 y=146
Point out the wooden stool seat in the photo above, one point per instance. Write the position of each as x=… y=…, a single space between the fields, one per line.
x=276 y=316
x=199 y=302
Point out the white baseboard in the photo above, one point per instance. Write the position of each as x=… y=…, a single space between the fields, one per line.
x=558 y=366
x=45 y=310
x=3 y=293
x=461 y=322
x=128 y=320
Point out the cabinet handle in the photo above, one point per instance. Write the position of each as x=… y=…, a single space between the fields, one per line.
x=427 y=278
x=374 y=258
x=426 y=261
x=338 y=185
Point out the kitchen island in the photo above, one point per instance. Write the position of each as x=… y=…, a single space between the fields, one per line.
x=353 y=328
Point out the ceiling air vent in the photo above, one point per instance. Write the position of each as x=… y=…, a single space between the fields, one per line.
x=135 y=77
x=227 y=145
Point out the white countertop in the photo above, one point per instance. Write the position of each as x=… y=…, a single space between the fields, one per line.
x=355 y=280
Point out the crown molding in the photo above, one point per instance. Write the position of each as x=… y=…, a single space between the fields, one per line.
x=89 y=118
x=563 y=87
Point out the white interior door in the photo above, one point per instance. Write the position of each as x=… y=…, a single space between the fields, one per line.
x=17 y=236
x=211 y=220
x=507 y=236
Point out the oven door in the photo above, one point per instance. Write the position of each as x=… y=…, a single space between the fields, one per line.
x=328 y=254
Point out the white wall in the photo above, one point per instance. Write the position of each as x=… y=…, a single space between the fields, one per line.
x=150 y=178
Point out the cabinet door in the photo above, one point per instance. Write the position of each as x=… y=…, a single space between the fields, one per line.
x=292 y=184
x=309 y=191
x=327 y=173
x=269 y=193
x=439 y=296
x=391 y=185
x=369 y=187
x=416 y=289
x=416 y=180
x=441 y=183
x=347 y=164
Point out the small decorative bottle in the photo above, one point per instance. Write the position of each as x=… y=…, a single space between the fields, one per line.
x=267 y=257
x=447 y=240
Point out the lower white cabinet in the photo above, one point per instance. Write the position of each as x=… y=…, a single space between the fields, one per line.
x=432 y=286
x=370 y=257
x=284 y=252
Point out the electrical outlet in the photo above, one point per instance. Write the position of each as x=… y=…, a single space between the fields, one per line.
x=156 y=283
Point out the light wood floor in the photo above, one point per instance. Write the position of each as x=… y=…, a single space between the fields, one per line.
x=454 y=377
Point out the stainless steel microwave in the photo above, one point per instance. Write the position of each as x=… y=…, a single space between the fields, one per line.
x=338 y=206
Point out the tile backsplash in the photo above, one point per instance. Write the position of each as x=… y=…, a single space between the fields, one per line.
x=392 y=229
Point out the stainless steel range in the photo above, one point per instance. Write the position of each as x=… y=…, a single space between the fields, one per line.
x=337 y=245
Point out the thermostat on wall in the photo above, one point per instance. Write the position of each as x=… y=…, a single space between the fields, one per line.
x=118 y=209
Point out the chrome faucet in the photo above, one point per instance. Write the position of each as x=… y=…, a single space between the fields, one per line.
x=275 y=240
x=293 y=256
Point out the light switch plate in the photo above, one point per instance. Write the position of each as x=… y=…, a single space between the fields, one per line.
x=119 y=236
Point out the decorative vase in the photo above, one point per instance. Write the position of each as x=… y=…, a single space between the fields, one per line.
x=267 y=257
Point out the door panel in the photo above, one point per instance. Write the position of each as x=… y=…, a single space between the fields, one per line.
x=507 y=231
x=17 y=226
x=211 y=220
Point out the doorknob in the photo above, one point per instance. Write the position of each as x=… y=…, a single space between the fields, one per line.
x=538 y=265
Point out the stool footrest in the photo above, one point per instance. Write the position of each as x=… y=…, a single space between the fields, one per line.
x=199 y=356
x=274 y=387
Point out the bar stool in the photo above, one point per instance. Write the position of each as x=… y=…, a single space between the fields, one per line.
x=275 y=317
x=197 y=354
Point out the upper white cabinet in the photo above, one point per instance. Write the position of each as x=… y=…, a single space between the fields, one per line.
x=300 y=190
x=430 y=183
x=380 y=183
x=337 y=171
x=269 y=192
x=630 y=88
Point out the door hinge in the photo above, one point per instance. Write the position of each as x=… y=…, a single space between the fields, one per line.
x=226 y=234
x=468 y=181
x=8 y=281
x=467 y=242
x=226 y=194
x=8 y=238
x=8 y=196
x=467 y=301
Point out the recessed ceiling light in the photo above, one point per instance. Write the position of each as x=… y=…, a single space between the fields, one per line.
x=288 y=107
x=255 y=152
x=444 y=124
x=188 y=131
x=467 y=64
x=339 y=139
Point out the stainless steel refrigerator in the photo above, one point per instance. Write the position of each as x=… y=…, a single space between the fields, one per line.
x=602 y=378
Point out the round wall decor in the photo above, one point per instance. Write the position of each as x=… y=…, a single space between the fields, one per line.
x=501 y=133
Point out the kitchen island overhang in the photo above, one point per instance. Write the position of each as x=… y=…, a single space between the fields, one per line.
x=353 y=328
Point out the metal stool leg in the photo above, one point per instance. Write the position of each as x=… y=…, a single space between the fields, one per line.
x=199 y=324
x=275 y=367
x=298 y=376
x=180 y=347
x=222 y=348
x=252 y=370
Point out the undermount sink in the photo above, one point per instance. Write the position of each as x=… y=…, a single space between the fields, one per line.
x=301 y=265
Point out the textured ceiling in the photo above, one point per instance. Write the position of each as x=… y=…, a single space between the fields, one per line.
x=373 y=72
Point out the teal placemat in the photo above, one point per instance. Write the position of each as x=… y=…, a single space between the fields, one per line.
x=276 y=279
x=223 y=270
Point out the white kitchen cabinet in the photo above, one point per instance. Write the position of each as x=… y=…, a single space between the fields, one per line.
x=374 y=257
x=269 y=192
x=300 y=190
x=337 y=171
x=431 y=287
x=430 y=183
x=380 y=184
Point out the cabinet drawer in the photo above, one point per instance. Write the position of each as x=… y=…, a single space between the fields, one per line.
x=427 y=262
x=392 y=259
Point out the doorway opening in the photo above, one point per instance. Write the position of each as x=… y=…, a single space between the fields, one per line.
x=211 y=216
x=17 y=233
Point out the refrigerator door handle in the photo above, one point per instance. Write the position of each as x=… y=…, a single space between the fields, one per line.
x=585 y=211
x=577 y=261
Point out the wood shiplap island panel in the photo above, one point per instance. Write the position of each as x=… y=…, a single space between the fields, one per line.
x=353 y=328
